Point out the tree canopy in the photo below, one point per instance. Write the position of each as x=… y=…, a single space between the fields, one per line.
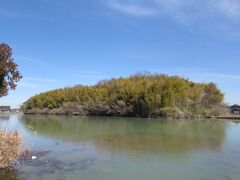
x=9 y=74
x=138 y=95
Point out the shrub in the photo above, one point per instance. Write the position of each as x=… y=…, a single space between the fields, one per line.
x=10 y=148
x=166 y=112
x=143 y=95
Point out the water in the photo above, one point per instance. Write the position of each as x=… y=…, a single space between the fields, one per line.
x=105 y=148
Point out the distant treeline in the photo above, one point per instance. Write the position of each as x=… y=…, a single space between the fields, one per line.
x=140 y=95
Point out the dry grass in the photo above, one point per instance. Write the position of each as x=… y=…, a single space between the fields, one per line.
x=10 y=148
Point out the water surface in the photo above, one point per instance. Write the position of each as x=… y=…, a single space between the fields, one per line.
x=105 y=148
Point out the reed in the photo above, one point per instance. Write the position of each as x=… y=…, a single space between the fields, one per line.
x=10 y=148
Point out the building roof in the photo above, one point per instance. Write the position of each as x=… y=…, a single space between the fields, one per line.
x=4 y=107
x=235 y=106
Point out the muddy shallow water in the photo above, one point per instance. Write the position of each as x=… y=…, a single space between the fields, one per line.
x=105 y=148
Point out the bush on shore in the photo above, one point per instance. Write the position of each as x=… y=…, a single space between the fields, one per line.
x=10 y=148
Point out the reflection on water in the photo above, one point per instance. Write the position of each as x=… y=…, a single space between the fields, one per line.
x=128 y=148
x=131 y=135
x=9 y=175
x=4 y=117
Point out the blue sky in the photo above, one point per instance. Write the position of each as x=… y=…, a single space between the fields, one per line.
x=61 y=43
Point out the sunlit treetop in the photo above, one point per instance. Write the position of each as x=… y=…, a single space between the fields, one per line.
x=9 y=74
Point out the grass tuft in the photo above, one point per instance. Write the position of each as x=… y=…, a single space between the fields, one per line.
x=10 y=148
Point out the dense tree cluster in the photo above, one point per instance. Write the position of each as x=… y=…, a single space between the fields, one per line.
x=141 y=95
x=9 y=74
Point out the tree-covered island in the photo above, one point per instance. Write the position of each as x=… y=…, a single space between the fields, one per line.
x=140 y=95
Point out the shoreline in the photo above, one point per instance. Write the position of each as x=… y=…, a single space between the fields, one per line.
x=226 y=117
x=237 y=118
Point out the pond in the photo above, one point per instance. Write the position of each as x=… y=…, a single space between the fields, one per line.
x=114 y=148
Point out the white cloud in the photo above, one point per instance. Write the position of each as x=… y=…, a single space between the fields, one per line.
x=31 y=60
x=83 y=72
x=181 y=10
x=34 y=83
x=225 y=76
x=39 y=79
x=8 y=14
x=28 y=85
x=88 y=75
x=133 y=9
x=230 y=8
x=200 y=74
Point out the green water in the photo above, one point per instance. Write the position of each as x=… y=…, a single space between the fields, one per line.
x=105 y=148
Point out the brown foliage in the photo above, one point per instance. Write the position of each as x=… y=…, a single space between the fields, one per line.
x=10 y=148
x=9 y=74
